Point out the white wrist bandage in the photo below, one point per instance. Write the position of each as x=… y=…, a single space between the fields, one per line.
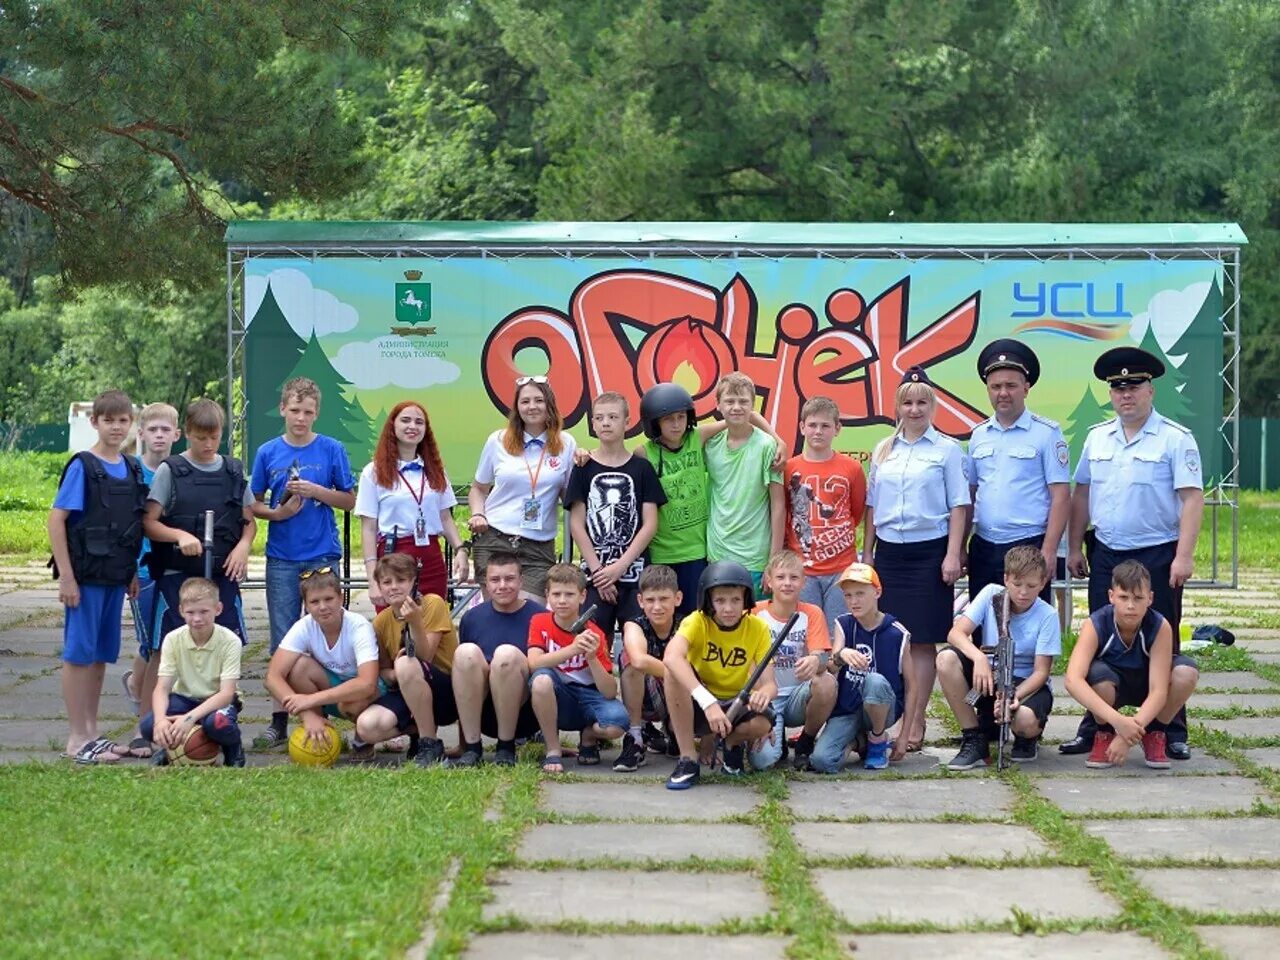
x=703 y=697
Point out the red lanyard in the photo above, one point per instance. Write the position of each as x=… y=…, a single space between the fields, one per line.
x=422 y=489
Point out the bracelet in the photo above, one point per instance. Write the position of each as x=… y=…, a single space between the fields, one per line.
x=465 y=545
x=479 y=515
x=369 y=560
x=704 y=697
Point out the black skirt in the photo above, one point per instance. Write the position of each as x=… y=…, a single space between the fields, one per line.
x=912 y=588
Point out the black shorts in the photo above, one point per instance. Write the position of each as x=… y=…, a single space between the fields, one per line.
x=526 y=723
x=701 y=728
x=443 y=706
x=1040 y=703
x=1132 y=686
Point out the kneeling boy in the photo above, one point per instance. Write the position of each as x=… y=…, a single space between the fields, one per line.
x=869 y=653
x=1037 y=639
x=327 y=664
x=1124 y=658
x=571 y=678
x=708 y=661
x=422 y=698
x=199 y=667
x=644 y=641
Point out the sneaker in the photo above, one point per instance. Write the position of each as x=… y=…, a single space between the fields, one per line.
x=733 y=760
x=160 y=758
x=271 y=739
x=803 y=749
x=1098 y=759
x=361 y=752
x=877 y=756
x=655 y=741
x=685 y=775
x=1025 y=749
x=467 y=758
x=504 y=756
x=430 y=752
x=974 y=752
x=632 y=756
x=1153 y=748
x=414 y=742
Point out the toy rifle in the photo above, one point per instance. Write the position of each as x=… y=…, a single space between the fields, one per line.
x=208 y=544
x=1003 y=670
x=580 y=624
x=744 y=695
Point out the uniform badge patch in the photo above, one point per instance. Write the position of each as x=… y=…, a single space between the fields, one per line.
x=1063 y=456
x=1193 y=461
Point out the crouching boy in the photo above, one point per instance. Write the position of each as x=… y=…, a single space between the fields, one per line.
x=421 y=699
x=962 y=666
x=1124 y=658
x=327 y=664
x=571 y=680
x=708 y=661
x=869 y=653
x=644 y=641
x=199 y=667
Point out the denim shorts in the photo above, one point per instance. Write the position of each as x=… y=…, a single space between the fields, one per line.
x=284 y=598
x=578 y=706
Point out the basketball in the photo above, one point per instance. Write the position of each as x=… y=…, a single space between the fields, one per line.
x=308 y=754
x=196 y=751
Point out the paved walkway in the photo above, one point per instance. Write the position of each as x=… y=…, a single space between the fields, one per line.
x=1051 y=860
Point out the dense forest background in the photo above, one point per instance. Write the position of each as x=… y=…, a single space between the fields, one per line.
x=130 y=133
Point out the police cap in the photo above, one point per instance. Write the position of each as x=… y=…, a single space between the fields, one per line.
x=1127 y=367
x=1006 y=354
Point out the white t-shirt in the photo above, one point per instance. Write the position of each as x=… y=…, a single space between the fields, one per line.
x=511 y=478
x=398 y=507
x=356 y=644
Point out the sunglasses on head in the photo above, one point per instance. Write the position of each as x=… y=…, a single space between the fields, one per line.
x=318 y=571
x=523 y=381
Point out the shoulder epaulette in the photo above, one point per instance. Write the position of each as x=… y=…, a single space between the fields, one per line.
x=1051 y=424
x=1104 y=423
x=1177 y=426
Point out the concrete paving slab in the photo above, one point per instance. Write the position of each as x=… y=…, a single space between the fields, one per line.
x=1245 y=727
x=927 y=761
x=1235 y=680
x=618 y=946
x=1262 y=702
x=648 y=801
x=1268 y=658
x=959 y=895
x=1265 y=756
x=8 y=757
x=917 y=841
x=33 y=640
x=41 y=734
x=900 y=799
x=667 y=842
x=1241 y=943
x=1223 y=890
x=621 y=896
x=1179 y=795
x=1052 y=763
x=1257 y=633
x=1234 y=840
x=1060 y=727
x=1090 y=945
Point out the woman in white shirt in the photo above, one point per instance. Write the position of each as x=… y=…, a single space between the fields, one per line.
x=519 y=482
x=405 y=503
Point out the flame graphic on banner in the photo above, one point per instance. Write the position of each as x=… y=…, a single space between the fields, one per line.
x=684 y=344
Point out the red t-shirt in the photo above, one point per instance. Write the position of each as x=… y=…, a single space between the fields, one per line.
x=547 y=635
x=825 y=502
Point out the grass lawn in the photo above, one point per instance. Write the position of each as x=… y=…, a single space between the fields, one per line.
x=277 y=862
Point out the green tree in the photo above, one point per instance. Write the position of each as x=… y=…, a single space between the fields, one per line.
x=1170 y=400
x=1086 y=413
x=340 y=418
x=272 y=349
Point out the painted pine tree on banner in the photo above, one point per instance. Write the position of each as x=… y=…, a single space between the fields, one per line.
x=1200 y=399
x=1169 y=400
x=271 y=349
x=340 y=418
x=1086 y=413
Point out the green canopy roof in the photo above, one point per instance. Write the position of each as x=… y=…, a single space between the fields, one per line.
x=247 y=233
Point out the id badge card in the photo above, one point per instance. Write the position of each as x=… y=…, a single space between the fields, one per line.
x=529 y=513
x=420 y=532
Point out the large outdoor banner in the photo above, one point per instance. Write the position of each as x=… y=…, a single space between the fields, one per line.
x=454 y=334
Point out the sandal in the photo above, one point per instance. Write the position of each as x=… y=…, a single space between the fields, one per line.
x=141 y=748
x=914 y=746
x=588 y=754
x=553 y=763
x=97 y=751
x=134 y=702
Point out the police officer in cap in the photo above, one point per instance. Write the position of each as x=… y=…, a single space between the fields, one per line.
x=1139 y=484
x=1017 y=469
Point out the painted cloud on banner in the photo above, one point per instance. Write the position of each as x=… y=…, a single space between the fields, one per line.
x=1169 y=313
x=305 y=307
x=392 y=361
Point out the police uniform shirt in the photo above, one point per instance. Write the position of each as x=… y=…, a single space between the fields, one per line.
x=915 y=487
x=1012 y=468
x=1134 y=484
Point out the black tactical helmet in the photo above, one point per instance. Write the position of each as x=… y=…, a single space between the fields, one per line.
x=660 y=400
x=725 y=573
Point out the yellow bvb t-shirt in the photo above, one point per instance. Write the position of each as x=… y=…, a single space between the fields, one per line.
x=723 y=659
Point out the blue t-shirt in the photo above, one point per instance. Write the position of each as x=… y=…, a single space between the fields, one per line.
x=1036 y=631
x=144 y=573
x=886 y=646
x=312 y=532
x=489 y=629
x=70 y=495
